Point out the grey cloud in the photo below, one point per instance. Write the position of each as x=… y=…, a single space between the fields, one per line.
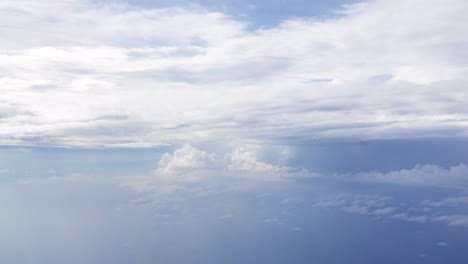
x=10 y=110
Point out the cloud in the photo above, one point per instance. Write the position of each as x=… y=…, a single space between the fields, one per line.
x=446 y=202
x=379 y=69
x=385 y=208
x=190 y=172
x=429 y=175
x=358 y=204
x=418 y=219
x=75 y=178
x=453 y=220
x=379 y=207
x=61 y=20
x=383 y=211
x=188 y=160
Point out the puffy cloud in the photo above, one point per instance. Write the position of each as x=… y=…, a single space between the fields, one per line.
x=189 y=172
x=187 y=160
x=242 y=161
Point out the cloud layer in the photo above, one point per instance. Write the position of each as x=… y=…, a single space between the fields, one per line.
x=78 y=73
x=387 y=208
x=429 y=175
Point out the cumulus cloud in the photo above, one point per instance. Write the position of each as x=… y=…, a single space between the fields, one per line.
x=379 y=69
x=188 y=160
x=189 y=172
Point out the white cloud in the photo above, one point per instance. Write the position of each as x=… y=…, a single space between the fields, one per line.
x=190 y=172
x=395 y=69
x=187 y=160
x=430 y=175
x=358 y=204
x=418 y=219
x=446 y=202
x=383 y=208
x=453 y=220
x=383 y=211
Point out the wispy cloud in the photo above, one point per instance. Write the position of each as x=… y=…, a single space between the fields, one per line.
x=425 y=175
x=391 y=208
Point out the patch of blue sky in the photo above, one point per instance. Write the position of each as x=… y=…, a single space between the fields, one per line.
x=258 y=14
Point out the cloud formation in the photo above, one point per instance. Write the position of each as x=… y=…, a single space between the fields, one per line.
x=190 y=172
x=425 y=175
x=388 y=208
x=379 y=69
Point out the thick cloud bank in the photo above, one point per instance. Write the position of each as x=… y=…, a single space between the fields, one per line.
x=78 y=73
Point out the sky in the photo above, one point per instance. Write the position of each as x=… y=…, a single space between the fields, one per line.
x=233 y=131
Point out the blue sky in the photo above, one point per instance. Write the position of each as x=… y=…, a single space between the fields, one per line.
x=258 y=14
x=233 y=131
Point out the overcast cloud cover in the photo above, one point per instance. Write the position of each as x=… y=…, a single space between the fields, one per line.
x=233 y=131
x=83 y=73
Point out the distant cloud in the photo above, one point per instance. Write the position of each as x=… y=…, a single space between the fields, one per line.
x=383 y=211
x=431 y=175
x=418 y=219
x=372 y=205
x=453 y=220
x=384 y=208
x=189 y=172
